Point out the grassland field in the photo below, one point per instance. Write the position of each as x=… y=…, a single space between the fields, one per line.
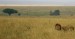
x=39 y=10
x=12 y=27
x=36 y=23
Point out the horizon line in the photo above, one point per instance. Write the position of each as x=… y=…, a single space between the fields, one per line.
x=31 y=5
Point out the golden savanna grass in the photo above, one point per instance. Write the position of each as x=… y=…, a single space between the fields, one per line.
x=35 y=28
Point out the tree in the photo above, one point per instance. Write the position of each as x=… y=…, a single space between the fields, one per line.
x=9 y=11
x=56 y=13
x=19 y=14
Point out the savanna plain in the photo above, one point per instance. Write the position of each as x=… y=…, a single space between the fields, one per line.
x=36 y=27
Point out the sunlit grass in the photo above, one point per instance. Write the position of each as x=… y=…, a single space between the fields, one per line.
x=34 y=28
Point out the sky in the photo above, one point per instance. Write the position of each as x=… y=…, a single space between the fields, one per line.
x=39 y=2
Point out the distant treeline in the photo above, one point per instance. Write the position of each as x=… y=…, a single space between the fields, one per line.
x=11 y=11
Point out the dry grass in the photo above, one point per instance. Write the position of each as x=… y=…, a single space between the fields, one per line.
x=34 y=28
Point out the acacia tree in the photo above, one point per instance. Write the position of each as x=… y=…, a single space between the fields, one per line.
x=10 y=11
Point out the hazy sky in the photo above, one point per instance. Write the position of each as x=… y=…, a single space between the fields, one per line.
x=37 y=2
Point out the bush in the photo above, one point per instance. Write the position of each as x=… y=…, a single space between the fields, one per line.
x=56 y=13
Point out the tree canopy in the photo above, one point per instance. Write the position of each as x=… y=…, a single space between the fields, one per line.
x=10 y=11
